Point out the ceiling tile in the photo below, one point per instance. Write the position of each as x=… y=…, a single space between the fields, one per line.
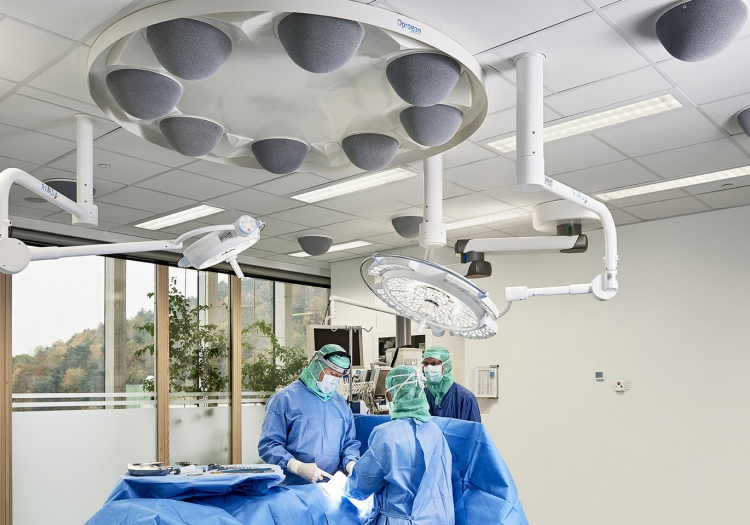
x=126 y=143
x=312 y=216
x=464 y=153
x=607 y=177
x=727 y=198
x=343 y=231
x=147 y=234
x=28 y=167
x=276 y=245
x=633 y=85
x=121 y=215
x=622 y=218
x=277 y=227
x=468 y=232
x=65 y=18
x=670 y=208
x=501 y=94
x=235 y=174
x=719 y=185
x=184 y=227
x=392 y=239
x=146 y=200
x=62 y=101
x=362 y=204
x=6 y=86
x=122 y=169
x=700 y=158
x=474 y=205
x=30 y=146
x=67 y=77
x=724 y=112
x=526 y=230
x=504 y=66
x=743 y=141
x=578 y=51
x=480 y=176
x=32 y=210
x=648 y=198
x=714 y=79
x=505 y=122
x=411 y=191
x=189 y=185
x=254 y=202
x=637 y=18
x=512 y=196
x=292 y=184
x=577 y=153
x=670 y=130
x=482 y=24
x=36 y=115
x=26 y=49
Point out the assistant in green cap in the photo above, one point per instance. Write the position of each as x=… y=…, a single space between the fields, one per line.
x=406 y=390
x=446 y=397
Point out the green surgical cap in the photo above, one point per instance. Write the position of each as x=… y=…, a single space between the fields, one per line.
x=407 y=390
x=441 y=353
x=312 y=372
x=339 y=360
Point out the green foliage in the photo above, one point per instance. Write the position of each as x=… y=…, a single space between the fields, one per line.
x=196 y=350
x=273 y=367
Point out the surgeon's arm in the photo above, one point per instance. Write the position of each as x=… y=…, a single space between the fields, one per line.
x=350 y=448
x=367 y=477
x=272 y=443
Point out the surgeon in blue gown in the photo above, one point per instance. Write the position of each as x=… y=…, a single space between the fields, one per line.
x=446 y=397
x=408 y=462
x=308 y=428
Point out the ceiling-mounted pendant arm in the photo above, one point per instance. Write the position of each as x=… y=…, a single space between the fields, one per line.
x=432 y=230
x=85 y=171
x=57 y=252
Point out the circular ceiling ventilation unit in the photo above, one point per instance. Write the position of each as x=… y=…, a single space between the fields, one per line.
x=743 y=117
x=315 y=244
x=319 y=44
x=280 y=155
x=433 y=125
x=370 y=151
x=700 y=29
x=189 y=49
x=253 y=68
x=407 y=226
x=191 y=136
x=423 y=79
x=144 y=94
x=65 y=187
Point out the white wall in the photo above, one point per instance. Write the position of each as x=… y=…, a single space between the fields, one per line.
x=674 y=449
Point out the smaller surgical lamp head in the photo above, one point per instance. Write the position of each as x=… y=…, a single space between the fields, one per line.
x=223 y=245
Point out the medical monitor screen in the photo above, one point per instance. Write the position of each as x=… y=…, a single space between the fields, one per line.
x=319 y=336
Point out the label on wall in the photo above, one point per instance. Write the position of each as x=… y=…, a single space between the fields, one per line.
x=485 y=381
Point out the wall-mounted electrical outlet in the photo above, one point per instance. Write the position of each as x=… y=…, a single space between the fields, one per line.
x=619 y=386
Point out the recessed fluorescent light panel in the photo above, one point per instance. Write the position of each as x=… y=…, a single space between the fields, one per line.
x=675 y=183
x=179 y=217
x=337 y=248
x=504 y=216
x=599 y=120
x=355 y=185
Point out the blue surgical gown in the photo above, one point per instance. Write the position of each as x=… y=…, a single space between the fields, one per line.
x=298 y=424
x=458 y=403
x=408 y=463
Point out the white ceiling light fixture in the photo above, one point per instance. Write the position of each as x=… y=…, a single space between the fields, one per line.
x=356 y=185
x=487 y=219
x=203 y=210
x=310 y=61
x=336 y=248
x=604 y=119
x=675 y=183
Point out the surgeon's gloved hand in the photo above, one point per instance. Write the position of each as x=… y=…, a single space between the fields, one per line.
x=307 y=471
x=350 y=467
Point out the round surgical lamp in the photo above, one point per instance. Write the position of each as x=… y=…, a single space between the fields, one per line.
x=700 y=29
x=407 y=226
x=423 y=79
x=223 y=245
x=317 y=43
x=145 y=94
x=370 y=151
x=280 y=155
x=315 y=244
x=191 y=136
x=431 y=295
x=188 y=48
x=431 y=126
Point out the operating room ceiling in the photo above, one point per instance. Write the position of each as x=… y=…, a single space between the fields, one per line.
x=601 y=54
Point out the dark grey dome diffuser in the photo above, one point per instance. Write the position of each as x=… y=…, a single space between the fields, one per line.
x=280 y=156
x=699 y=29
x=188 y=48
x=315 y=244
x=144 y=94
x=66 y=187
x=317 y=43
x=743 y=117
x=423 y=79
x=191 y=136
x=433 y=125
x=407 y=226
x=370 y=151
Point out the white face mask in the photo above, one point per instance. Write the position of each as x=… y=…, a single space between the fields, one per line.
x=434 y=373
x=328 y=384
